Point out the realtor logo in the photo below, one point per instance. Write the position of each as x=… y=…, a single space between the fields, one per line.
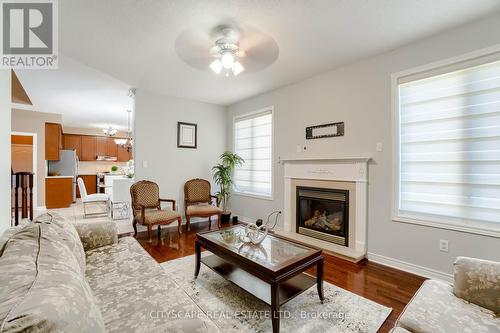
x=29 y=34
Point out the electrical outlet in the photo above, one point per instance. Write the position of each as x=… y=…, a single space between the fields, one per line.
x=443 y=245
x=379 y=146
x=144 y=164
x=299 y=148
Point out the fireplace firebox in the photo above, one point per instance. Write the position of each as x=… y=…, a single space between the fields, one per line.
x=323 y=213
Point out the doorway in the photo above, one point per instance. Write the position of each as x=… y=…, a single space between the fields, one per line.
x=24 y=159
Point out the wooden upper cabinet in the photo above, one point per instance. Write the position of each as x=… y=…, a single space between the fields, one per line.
x=53 y=141
x=92 y=146
x=102 y=145
x=123 y=154
x=73 y=142
x=111 y=147
x=89 y=148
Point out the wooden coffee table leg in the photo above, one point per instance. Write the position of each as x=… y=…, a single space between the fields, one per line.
x=275 y=307
x=319 y=279
x=197 y=249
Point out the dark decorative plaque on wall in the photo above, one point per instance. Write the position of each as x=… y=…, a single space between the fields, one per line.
x=325 y=131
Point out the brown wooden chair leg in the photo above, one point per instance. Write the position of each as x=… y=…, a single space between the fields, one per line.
x=134 y=224
x=150 y=240
x=188 y=225
x=209 y=222
x=179 y=221
x=159 y=230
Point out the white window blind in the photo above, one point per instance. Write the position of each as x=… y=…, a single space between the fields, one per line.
x=253 y=138
x=449 y=131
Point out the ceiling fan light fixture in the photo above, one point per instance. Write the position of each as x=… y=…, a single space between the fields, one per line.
x=216 y=66
x=227 y=60
x=237 y=68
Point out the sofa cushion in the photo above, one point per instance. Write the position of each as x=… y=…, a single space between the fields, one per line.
x=7 y=234
x=97 y=234
x=435 y=309
x=43 y=289
x=67 y=234
x=135 y=294
x=478 y=281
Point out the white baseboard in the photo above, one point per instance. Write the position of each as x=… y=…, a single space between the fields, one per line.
x=409 y=267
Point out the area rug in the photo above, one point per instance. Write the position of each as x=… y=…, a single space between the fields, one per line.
x=234 y=310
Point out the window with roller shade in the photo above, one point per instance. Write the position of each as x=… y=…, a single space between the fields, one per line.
x=449 y=144
x=253 y=141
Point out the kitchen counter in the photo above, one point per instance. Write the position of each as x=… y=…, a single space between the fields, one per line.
x=58 y=177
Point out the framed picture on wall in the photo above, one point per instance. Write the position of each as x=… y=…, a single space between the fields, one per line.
x=186 y=135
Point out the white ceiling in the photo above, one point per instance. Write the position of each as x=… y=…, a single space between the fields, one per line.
x=133 y=41
x=84 y=96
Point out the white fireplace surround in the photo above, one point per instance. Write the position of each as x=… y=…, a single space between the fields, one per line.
x=343 y=173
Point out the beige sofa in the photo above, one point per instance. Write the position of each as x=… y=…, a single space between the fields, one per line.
x=60 y=277
x=471 y=304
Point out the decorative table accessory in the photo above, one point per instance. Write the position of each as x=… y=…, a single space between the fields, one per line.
x=256 y=232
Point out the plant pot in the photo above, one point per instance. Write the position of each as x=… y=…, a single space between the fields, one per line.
x=225 y=218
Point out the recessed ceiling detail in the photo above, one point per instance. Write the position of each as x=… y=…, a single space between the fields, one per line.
x=226 y=49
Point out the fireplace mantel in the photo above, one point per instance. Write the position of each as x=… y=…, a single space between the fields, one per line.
x=325 y=159
x=348 y=172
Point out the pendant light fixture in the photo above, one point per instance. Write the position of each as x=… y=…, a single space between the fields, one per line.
x=128 y=142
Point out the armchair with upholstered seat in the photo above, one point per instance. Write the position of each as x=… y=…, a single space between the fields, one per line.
x=198 y=201
x=146 y=207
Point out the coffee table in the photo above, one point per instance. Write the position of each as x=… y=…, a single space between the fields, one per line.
x=272 y=271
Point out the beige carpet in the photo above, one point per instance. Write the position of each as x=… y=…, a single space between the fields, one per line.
x=235 y=310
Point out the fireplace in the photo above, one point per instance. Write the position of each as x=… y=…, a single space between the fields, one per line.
x=323 y=213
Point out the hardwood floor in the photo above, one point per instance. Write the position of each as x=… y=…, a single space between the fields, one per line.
x=384 y=285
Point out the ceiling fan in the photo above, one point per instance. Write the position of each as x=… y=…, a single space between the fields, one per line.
x=226 y=49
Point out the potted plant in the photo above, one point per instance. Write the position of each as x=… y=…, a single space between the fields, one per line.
x=223 y=176
x=114 y=168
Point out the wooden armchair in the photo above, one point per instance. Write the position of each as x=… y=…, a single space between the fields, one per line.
x=198 y=201
x=146 y=207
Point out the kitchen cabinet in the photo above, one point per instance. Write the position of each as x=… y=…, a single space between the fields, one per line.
x=73 y=142
x=123 y=155
x=58 y=192
x=53 y=141
x=89 y=148
x=90 y=182
x=101 y=146
x=111 y=147
x=106 y=146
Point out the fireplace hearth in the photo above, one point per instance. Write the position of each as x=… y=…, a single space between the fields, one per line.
x=323 y=213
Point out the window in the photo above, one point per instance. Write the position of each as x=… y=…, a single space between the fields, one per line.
x=253 y=141
x=448 y=148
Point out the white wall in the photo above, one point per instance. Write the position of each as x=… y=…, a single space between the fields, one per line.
x=360 y=95
x=5 y=213
x=34 y=122
x=155 y=137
